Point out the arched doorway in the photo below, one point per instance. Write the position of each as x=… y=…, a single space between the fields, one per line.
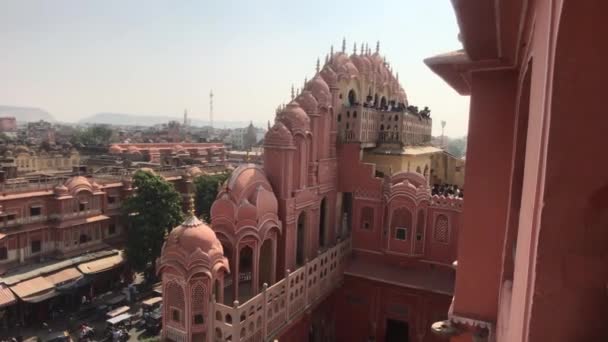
x=266 y=263
x=352 y=97
x=323 y=223
x=382 y=102
x=300 y=239
x=245 y=275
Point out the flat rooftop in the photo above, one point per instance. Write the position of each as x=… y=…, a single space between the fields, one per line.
x=434 y=280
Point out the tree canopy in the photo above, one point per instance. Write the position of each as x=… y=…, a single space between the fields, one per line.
x=206 y=192
x=153 y=210
x=98 y=135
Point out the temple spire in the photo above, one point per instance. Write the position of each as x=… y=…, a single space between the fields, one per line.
x=361 y=53
x=319 y=64
x=305 y=81
x=354 y=48
x=292 y=92
x=331 y=52
x=326 y=59
x=378 y=47
x=397 y=76
x=344 y=45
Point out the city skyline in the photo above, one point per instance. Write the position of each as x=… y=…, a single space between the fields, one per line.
x=75 y=59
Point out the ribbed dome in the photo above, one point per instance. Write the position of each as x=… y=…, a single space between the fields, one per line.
x=307 y=102
x=278 y=135
x=77 y=183
x=294 y=117
x=193 y=234
x=329 y=75
x=320 y=90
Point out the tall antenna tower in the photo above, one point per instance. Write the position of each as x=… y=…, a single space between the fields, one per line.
x=211 y=109
x=442 y=133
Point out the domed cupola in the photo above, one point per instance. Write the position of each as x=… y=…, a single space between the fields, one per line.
x=329 y=75
x=192 y=266
x=320 y=90
x=295 y=118
x=308 y=102
x=278 y=135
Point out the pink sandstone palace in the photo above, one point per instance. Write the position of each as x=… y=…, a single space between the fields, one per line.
x=313 y=245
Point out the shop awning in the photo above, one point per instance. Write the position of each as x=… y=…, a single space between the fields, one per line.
x=64 y=276
x=34 y=290
x=101 y=265
x=84 y=220
x=6 y=296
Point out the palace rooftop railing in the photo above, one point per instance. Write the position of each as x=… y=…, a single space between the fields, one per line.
x=263 y=316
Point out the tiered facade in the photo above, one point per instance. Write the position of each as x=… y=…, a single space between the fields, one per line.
x=314 y=218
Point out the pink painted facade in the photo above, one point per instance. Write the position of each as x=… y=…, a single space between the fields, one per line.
x=532 y=254
x=164 y=153
x=314 y=217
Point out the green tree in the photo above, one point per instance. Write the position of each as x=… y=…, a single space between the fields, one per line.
x=98 y=135
x=206 y=192
x=153 y=210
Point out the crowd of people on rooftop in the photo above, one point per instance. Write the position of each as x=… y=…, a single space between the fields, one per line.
x=447 y=190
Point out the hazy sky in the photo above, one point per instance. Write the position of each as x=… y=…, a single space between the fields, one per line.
x=75 y=58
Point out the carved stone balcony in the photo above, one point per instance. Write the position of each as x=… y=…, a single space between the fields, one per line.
x=263 y=316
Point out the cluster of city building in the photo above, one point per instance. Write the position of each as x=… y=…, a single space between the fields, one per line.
x=346 y=169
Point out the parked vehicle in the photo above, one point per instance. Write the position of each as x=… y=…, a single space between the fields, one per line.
x=154 y=322
x=120 y=321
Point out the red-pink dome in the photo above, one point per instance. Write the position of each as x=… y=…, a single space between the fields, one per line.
x=193 y=248
x=329 y=75
x=338 y=59
x=320 y=90
x=278 y=135
x=295 y=118
x=362 y=63
x=78 y=183
x=193 y=234
x=307 y=102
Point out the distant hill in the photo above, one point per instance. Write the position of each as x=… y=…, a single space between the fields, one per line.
x=123 y=119
x=26 y=114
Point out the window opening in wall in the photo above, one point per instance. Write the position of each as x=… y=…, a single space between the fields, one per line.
x=35 y=211
x=3 y=253
x=11 y=217
x=401 y=233
x=175 y=315
x=36 y=246
x=198 y=319
x=81 y=206
x=112 y=229
x=111 y=199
